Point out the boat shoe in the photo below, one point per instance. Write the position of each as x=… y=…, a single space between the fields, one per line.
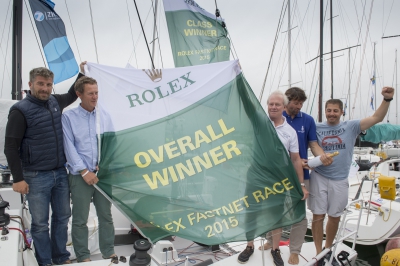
x=245 y=255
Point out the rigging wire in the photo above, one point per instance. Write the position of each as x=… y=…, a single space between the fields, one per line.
x=315 y=91
x=280 y=55
x=165 y=29
x=158 y=37
x=362 y=58
x=285 y=62
x=73 y=32
x=299 y=56
x=315 y=67
x=294 y=44
x=297 y=37
x=346 y=37
x=377 y=73
x=387 y=18
x=140 y=34
x=316 y=63
x=286 y=54
x=343 y=14
x=5 y=54
x=393 y=86
x=233 y=46
x=358 y=41
x=217 y=14
x=147 y=44
x=94 y=35
x=383 y=33
x=37 y=40
x=130 y=25
x=309 y=28
x=233 y=51
x=8 y=40
x=273 y=48
x=351 y=69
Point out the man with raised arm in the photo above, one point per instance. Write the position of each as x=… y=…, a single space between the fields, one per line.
x=35 y=154
x=329 y=184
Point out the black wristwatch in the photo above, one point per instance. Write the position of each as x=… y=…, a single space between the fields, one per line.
x=387 y=100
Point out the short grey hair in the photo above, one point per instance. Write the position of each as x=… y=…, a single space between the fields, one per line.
x=40 y=71
x=280 y=94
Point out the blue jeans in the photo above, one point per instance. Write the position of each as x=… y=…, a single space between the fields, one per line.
x=49 y=188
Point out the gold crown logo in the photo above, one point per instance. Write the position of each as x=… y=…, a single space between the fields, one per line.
x=154 y=74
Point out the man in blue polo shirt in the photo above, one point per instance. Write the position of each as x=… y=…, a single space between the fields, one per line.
x=305 y=128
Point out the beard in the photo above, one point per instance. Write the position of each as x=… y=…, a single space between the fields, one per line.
x=41 y=94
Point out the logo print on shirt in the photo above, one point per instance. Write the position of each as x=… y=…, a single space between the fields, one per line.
x=301 y=130
x=331 y=143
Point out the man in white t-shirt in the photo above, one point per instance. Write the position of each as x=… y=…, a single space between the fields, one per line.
x=276 y=104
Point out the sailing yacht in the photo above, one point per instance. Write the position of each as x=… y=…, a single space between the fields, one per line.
x=212 y=255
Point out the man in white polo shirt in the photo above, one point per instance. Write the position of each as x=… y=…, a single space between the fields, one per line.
x=276 y=104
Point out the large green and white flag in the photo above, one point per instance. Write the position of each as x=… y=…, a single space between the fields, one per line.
x=197 y=36
x=190 y=152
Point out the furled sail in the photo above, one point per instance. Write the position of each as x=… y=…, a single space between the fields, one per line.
x=382 y=132
x=59 y=55
x=197 y=36
x=191 y=152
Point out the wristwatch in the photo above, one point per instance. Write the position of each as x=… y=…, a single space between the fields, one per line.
x=302 y=184
x=387 y=100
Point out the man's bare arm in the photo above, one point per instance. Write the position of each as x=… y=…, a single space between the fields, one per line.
x=379 y=115
x=315 y=148
x=318 y=151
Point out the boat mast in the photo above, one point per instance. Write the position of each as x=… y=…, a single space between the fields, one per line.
x=321 y=62
x=17 y=50
x=289 y=44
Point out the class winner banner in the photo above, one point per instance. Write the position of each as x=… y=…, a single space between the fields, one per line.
x=190 y=152
x=197 y=36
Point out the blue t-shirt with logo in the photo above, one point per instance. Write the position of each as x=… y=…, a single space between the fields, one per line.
x=305 y=128
x=339 y=138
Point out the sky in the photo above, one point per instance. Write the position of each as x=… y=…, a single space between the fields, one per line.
x=109 y=32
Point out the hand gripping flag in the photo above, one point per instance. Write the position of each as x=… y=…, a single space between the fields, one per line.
x=59 y=55
x=190 y=152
